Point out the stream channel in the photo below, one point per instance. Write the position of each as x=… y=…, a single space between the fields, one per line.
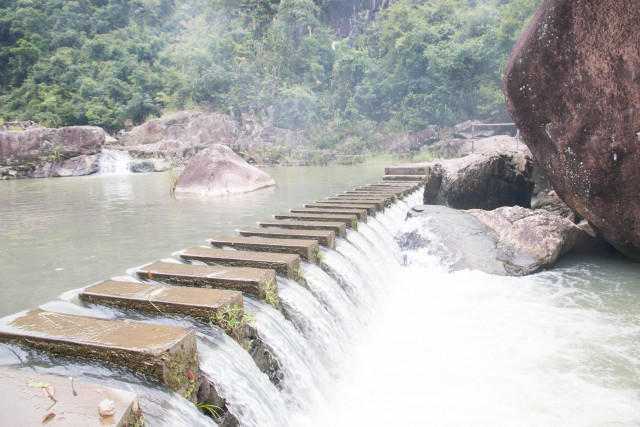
x=383 y=336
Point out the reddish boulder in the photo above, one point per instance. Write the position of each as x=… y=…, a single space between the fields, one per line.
x=218 y=171
x=572 y=86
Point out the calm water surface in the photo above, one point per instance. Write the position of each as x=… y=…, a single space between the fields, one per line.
x=63 y=233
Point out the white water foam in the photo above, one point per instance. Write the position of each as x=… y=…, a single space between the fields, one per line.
x=114 y=162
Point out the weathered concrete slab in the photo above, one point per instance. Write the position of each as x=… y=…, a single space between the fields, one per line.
x=349 y=220
x=339 y=228
x=359 y=212
x=287 y=265
x=251 y=281
x=195 y=302
x=395 y=184
x=380 y=203
x=410 y=169
x=164 y=353
x=324 y=237
x=378 y=197
x=393 y=196
x=307 y=249
x=400 y=190
x=370 y=207
x=418 y=178
x=24 y=402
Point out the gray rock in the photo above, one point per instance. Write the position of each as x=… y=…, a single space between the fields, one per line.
x=506 y=241
x=479 y=181
x=218 y=171
x=41 y=152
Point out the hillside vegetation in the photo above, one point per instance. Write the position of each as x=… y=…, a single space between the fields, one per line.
x=114 y=63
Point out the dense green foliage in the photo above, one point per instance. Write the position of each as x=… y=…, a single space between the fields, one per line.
x=115 y=62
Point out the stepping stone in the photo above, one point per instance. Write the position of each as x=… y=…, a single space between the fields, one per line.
x=360 y=213
x=379 y=203
x=24 y=402
x=339 y=228
x=374 y=194
x=399 y=191
x=396 y=184
x=418 y=178
x=324 y=237
x=287 y=265
x=165 y=353
x=195 y=302
x=251 y=281
x=406 y=170
x=348 y=220
x=307 y=249
x=370 y=207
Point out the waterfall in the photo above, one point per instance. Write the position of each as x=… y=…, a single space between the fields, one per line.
x=114 y=162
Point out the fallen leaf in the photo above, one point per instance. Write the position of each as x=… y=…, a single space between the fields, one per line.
x=149 y=275
x=160 y=329
x=190 y=375
x=36 y=384
x=49 y=391
x=48 y=417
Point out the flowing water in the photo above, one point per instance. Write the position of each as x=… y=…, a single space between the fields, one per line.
x=114 y=162
x=380 y=336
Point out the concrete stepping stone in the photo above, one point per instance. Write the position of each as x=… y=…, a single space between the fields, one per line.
x=164 y=353
x=370 y=207
x=198 y=303
x=418 y=178
x=393 y=196
x=251 y=281
x=348 y=220
x=25 y=403
x=359 y=212
x=287 y=265
x=307 y=249
x=324 y=237
x=339 y=228
x=380 y=203
x=406 y=170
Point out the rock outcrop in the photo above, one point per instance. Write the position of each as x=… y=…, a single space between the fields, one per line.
x=177 y=137
x=507 y=241
x=532 y=239
x=218 y=171
x=479 y=181
x=43 y=152
x=573 y=88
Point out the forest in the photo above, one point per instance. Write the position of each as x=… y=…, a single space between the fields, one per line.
x=117 y=63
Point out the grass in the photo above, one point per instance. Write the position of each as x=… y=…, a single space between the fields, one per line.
x=173 y=175
x=232 y=319
x=214 y=411
x=271 y=294
x=320 y=258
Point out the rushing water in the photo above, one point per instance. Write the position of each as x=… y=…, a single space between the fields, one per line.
x=380 y=335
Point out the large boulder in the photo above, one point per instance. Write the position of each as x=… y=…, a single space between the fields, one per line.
x=218 y=171
x=506 y=241
x=42 y=152
x=572 y=86
x=479 y=181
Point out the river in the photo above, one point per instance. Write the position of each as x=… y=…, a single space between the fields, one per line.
x=388 y=337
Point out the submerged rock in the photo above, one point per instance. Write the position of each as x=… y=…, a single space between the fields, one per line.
x=507 y=241
x=218 y=171
x=572 y=88
x=479 y=181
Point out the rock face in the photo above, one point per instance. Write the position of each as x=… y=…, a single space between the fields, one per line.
x=218 y=171
x=507 y=241
x=573 y=88
x=42 y=152
x=180 y=136
x=479 y=181
x=533 y=239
